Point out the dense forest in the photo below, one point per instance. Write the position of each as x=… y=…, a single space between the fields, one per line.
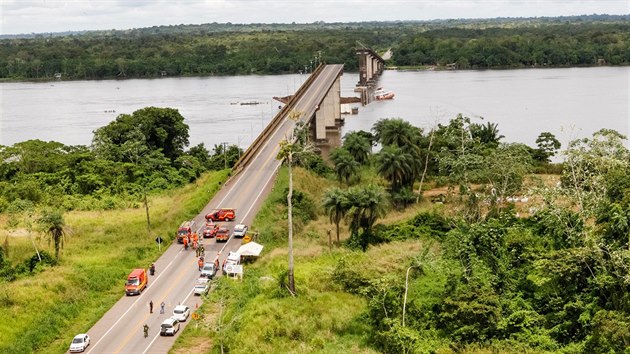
x=551 y=277
x=143 y=152
x=227 y=49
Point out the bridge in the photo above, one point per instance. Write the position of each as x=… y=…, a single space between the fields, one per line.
x=120 y=330
x=370 y=68
x=318 y=103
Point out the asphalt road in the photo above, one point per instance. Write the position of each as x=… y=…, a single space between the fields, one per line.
x=121 y=328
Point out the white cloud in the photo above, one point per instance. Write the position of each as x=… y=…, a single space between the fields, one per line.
x=27 y=16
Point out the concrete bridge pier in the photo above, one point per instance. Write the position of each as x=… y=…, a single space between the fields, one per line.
x=328 y=114
x=371 y=66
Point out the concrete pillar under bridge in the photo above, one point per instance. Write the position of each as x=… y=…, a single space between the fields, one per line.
x=325 y=126
x=371 y=66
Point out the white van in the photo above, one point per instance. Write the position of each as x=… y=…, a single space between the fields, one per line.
x=232 y=259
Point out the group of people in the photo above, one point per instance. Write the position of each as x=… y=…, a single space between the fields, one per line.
x=199 y=252
x=192 y=240
x=146 y=326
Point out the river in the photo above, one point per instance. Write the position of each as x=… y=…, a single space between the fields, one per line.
x=569 y=102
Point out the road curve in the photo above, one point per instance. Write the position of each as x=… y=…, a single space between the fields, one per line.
x=120 y=329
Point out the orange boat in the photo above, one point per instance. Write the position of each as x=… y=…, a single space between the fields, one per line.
x=381 y=94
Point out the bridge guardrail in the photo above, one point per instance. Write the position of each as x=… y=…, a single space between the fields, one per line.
x=273 y=124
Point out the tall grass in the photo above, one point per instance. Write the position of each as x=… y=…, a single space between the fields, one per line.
x=257 y=315
x=47 y=309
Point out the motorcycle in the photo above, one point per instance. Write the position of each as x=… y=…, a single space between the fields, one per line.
x=152 y=269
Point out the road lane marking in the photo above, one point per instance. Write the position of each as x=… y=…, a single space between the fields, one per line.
x=139 y=324
x=133 y=304
x=302 y=103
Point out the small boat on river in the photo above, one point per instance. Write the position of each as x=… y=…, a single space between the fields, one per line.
x=381 y=94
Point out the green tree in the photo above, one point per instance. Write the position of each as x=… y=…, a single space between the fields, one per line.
x=53 y=224
x=365 y=205
x=506 y=168
x=288 y=149
x=163 y=130
x=396 y=132
x=345 y=165
x=548 y=146
x=358 y=146
x=336 y=205
x=487 y=134
x=395 y=165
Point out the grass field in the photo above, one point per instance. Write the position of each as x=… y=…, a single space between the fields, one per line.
x=257 y=314
x=48 y=308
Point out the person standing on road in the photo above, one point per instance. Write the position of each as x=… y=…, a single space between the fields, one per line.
x=151 y=306
x=162 y=307
x=200 y=263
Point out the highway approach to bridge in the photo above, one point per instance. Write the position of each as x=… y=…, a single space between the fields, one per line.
x=120 y=330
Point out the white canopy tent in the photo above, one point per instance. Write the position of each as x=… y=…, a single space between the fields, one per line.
x=250 y=249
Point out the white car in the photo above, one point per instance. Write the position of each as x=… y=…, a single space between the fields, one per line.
x=239 y=230
x=202 y=286
x=79 y=343
x=181 y=313
x=209 y=269
x=169 y=327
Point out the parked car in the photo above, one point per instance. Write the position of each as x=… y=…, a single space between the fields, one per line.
x=169 y=327
x=185 y=230
x=210 y=230
x=239 y=230
x=223 y=214
x=79 y=343
x=223 y=234
x=181 y=313
x=210 y=269
x=202 y=286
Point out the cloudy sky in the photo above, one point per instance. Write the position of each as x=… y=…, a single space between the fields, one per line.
x=39 y=16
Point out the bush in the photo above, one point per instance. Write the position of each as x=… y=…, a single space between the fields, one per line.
x=304 y=208
x=423 y=225
x=346 y=275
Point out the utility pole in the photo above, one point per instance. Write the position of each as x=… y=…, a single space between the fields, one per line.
x=224 y=155
x=239 y=146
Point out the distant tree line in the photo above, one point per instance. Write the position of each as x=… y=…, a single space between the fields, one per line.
x=227 y=49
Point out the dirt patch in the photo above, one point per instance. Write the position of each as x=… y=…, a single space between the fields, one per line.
x=195 y=345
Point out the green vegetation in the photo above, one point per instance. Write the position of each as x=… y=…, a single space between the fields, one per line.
x=479 y=274
x=475 y=272
x=227 y=49
x=52 y=303
x=136 y=154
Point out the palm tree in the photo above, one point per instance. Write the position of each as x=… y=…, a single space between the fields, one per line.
x=345 y=165
x=395 y=165
x=53 y=224
x=486 y=134
x=336 y=205
x=395 y=131
x=358 y=146
x=366 y=205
